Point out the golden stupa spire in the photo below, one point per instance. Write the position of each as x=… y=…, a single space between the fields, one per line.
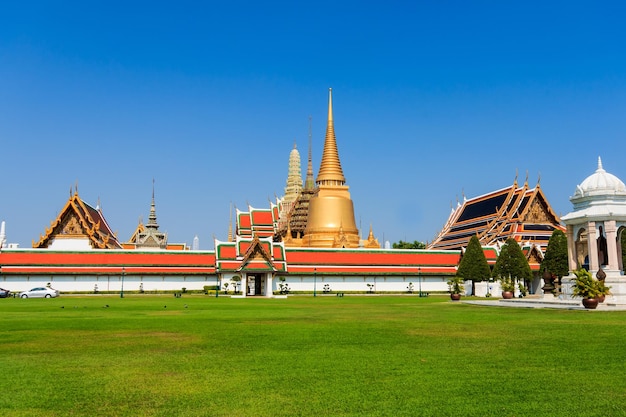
x=330 y=169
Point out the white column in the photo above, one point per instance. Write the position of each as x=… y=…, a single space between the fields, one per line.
x=268 y=286
x=618 y=244
x=244 y=285
x=571 y=248
x=611 y=244
x=592 y=246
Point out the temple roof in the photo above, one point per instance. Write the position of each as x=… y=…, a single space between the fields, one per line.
x=78 y=219
x=257 y=222
x=522 y=213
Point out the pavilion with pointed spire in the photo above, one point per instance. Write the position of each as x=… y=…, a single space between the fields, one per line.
x=148 y=236
x=151 y=237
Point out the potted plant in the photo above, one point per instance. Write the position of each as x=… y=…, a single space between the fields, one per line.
x=588 y=288
x=455 y=287
x=508 y=287
x=604 y=291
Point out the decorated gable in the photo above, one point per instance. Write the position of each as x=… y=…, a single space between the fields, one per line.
x=78 y=226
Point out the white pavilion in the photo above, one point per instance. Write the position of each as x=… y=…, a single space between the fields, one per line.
x=594 y=230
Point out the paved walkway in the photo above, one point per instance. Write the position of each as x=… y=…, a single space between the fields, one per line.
x=545 y=303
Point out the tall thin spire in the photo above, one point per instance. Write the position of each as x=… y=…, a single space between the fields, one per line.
x=152 y=219
x=309 y=183
x=330 y=168
x=151 y=237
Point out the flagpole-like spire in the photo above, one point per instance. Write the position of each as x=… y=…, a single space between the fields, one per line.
x=309 y=182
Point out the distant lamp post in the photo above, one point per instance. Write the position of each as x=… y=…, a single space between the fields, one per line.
x=419 y=277
x=217 y=285
x=314 y=282
x=122 y=291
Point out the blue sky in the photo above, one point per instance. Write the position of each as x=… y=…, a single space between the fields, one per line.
x=432 y=100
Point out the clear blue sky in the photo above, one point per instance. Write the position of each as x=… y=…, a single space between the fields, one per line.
x=431 y=100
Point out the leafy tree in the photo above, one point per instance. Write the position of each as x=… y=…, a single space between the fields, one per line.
x=555 y=259
x=512 y=263
x=408 y=245
x=473 y=265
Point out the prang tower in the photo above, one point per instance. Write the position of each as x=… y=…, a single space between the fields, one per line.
x=330 y=221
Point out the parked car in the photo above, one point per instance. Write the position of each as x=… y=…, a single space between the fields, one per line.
x=4 y=293
x=40 y=292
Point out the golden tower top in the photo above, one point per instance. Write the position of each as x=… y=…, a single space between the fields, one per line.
x=330 y=172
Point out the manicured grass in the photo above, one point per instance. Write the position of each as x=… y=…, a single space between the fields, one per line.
x=305 y=356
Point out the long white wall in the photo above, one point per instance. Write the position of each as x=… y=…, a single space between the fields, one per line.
x=65 y=283
x=152 y=283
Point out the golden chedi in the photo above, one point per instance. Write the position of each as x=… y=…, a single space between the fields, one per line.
x=330 y=220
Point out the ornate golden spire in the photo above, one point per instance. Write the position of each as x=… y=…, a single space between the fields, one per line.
x=330 y=169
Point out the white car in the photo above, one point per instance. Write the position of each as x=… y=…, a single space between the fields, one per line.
x=40 y=292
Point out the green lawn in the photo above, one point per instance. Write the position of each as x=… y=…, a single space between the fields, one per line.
x=305 y=356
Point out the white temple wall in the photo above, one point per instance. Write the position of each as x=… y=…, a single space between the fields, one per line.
x=152 y=283
x=360 y=284
x=108 y=283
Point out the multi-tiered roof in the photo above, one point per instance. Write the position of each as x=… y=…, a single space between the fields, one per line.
x=522 y=213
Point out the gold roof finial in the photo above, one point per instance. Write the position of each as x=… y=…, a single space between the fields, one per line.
x=230 y=224
x=330 y=168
